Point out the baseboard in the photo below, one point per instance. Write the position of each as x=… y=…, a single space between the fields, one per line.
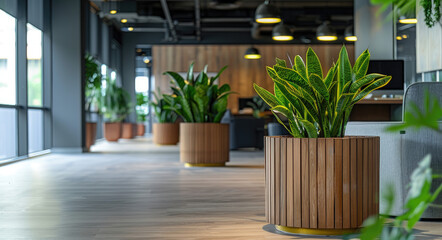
x=67 y=150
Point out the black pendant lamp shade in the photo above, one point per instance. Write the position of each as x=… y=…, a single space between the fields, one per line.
x=252 y=53
x=281 y=32
x=325 y=32
x=267 y=13
x=349 y=34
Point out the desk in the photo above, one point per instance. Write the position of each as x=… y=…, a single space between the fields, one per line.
x=377 y=109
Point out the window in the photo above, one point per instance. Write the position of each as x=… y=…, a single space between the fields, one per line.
x=7 y=59
x=8 y=139
x=35 y=130
x=34 y=54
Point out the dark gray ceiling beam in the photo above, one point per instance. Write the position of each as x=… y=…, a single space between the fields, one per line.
x=169 y=20
x=198 y=20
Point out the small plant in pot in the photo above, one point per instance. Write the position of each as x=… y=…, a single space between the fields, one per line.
x=141 y=110
x=259 y=107
x=204 y=141
x=166 y=129
x=115 y=105
x=92 y=94
x=328 y=182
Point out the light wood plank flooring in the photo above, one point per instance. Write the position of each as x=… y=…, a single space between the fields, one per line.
x=136 y=190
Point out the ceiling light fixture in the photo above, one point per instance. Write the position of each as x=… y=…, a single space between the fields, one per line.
x=325 y=32
x=130 y=29
x=281 y=32
x=252 y=53
x=267 y=13
x=113 y=11
x=146 y=60
x=124 y=20
x=349 y=34
x=408 y=17
x=404 y=20
x=399 y=38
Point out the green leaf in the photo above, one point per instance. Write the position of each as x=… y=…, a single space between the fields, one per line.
x=361 y=59
x=370 y=88
x=310 y=128
x=281 y=62
x=218 y=74
x=269 y=98
x=300 y=66
x=179 y=81
x=291 y=76
x=344 y=69
x=330 y=76
x=283 y=110
x=190 y=73
x=313 y=63
x=319 y=86
x=367 y=79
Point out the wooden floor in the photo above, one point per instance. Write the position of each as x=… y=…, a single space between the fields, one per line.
x=135 y=190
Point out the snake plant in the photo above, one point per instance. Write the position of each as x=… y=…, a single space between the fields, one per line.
x=318 y=106
x=162 y=110
x=198 y=99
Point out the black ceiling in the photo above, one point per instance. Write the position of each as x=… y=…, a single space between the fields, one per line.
x=191 y=19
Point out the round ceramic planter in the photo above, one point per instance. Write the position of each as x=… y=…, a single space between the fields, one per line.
x=128 y=131
x=204 y=144
x=141 y=129
x=321 y=186
x=112 y=131
x=166 y=133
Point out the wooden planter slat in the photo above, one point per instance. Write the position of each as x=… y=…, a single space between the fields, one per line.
x=321 y=183
x=204 y=143
x=166 y=133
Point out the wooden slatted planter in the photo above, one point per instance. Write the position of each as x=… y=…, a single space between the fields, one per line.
x=323 y=186
x=91 y=134
x=166 y=133
x=204 y=144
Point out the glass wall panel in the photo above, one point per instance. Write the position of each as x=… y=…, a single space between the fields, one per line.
x=7 y=59
x=35 y=130
x=8 y=130
x=35 y=66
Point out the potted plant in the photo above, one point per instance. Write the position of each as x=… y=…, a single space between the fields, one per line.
x=319 y=181
x=259 y=107
x=204 y=141
x=115 y=106
x=141 y=110
x=92 y=94
x=165 y=130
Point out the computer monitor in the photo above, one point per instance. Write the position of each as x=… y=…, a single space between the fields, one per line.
x=393 y=68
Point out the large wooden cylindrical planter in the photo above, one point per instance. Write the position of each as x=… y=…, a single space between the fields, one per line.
x=141 y=129
x=204 y=144
x=112 y=131
x=128 y=131
x=323 y=186
x=91 y=133
x=166 y=133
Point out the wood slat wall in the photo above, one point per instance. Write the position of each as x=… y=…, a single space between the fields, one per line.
x=321 y=183
x=241 y=73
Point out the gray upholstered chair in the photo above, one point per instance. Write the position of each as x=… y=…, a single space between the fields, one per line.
x=417 y=144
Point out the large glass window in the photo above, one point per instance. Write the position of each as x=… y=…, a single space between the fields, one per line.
x=34 y=53
x=7 y=59
x=8 y=139
x=35 y=130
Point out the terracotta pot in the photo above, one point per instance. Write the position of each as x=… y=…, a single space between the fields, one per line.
x=112 y=131
x=141 y=129
x=166 y=133
x=128 y=131
x=91 y=133
x=323 y=186
x=204 y=144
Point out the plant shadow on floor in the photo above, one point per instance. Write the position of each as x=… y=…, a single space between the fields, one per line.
x=271 y=229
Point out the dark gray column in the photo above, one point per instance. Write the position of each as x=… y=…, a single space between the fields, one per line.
x=47 y=74
x=67 y=72
x=22 y=80
x=375 y=32
x=128 y=74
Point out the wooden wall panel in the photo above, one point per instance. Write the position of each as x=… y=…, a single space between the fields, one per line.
x=241 y=73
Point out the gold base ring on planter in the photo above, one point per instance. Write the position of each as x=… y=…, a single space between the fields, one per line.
x=204 y=164
x=309 y=231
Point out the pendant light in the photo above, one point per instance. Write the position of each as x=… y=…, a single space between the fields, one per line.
x=325 y=32
x=252 y=53
x=408 y=17
x=267 y=13
x=113 y=8
x=281 y=32
x=349 y=34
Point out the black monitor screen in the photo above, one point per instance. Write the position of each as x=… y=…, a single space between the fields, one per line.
x=242 y=102
x=393 y=68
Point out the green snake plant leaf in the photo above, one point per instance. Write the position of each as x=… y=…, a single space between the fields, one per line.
x=319 y=86
x=362 y=71
x=280 y=97
x=283 y=110
x=370 y=88
x=300 y=66
x=330 y=76
x=281 y=63
x=190 y=73
x=282 y=123
x=269 y=98
x=295 y=131
x=292 y=76
x=313 y=63
x=212 y=80
x=367 y=79
x=344 y=69
x=310 y=128
x=179 y=81
x=224 y=88
x=359 y=64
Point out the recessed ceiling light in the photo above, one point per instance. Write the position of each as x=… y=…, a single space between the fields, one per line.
x=130 y=29
x=124 y=20
x=113 y=11
x=399 y=38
